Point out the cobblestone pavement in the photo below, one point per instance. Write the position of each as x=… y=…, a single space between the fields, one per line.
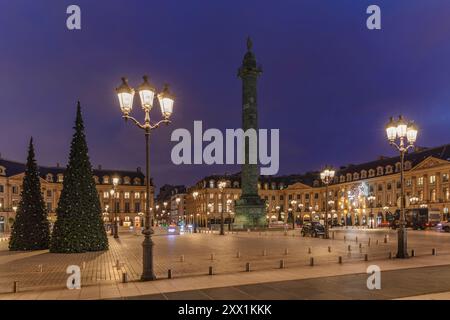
x=40 y=270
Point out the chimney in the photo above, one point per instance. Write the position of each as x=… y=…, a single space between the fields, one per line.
x=138 y=169
x=57 y=164
x=99 y=167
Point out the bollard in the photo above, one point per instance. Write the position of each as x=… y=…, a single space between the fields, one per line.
x=212 y=256
x=238 y=254
x=433 y=252
x=16 y=287
x=349 y=248
x=340 y=260
x=182 y=258
x=309 y=250
x=369 y=241
x=282 y=264
x=264 y=253
x=376 y=242
x=117 y=263
x=329 y=249
x=360 y=245
x=390 y=255
x=286 y=251
x=345 y=238
x=332 y=235
x=247 y=267
x=311 y=261
x=124 y=277
x=169 y=274
x=210 y=270
x=413 y=253
x=356 y=239
x=385 y=238
x=366 y=257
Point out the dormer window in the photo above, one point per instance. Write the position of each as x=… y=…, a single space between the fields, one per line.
x=105 y=179
x=397 y=167
x=371 y=173
x=379 y=171
x=96 y=179
x=60 y=177
x=407 y=165
x=211 y=184
x=356 y=176
x=2 y=171
x=342 y=178
x=49 y=177
x=126 y=180
x=137 y=181
x=363 y=174
x=349 y=177
x=315 y=183
x=388 y=169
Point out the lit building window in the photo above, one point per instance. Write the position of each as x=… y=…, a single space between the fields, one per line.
x=420 y=181
x=105 y=194
x=127 y=195
x=137 y=195
x=60 y=177
x=432 y=179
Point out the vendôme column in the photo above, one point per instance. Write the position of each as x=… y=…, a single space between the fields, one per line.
x=249 y=209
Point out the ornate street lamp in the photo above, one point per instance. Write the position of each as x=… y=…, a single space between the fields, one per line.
x=195 y=195
x=166 y=101
x=222 y=185
x=402 y=136
x=327 y=176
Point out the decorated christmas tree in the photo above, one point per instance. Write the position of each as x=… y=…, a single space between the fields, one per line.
x=79 y=226
x=30 y=230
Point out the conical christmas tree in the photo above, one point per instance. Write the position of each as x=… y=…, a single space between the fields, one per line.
x=79 y=226
x=30 y=230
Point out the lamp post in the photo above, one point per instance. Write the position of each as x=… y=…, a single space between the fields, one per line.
x=294 y=205
x=402 y=136
x=278 y=212
x=222 y=185
x=327 y=176
x=371 y=199
x=195 y=195
x=229 y=201
x=166 y=101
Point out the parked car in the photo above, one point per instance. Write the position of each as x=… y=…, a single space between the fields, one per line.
x=313 y=229
x=444 y=226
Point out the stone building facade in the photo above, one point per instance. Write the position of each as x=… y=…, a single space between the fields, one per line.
x=129 y=199
x=363 y=194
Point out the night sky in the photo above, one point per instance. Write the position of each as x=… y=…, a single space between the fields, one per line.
x=329 y=84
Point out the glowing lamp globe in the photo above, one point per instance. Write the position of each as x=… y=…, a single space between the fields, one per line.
x=125 y=94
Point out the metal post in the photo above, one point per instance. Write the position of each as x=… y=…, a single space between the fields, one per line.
x=147 y=245
x=327 y=235
x=222 y=232
x=116 y=227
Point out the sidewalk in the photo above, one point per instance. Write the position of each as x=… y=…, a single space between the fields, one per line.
x=357 y=271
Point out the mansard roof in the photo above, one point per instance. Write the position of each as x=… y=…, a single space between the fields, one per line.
x=13 y=168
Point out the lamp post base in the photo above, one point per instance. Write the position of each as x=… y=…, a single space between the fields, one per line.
x=402 y=252
x=147 y=246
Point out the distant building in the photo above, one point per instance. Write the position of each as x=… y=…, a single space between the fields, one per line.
x=129 y=200
x=169 y=209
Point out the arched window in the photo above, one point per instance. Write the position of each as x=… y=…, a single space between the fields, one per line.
x=407 y=165
x=137 y=181
x=236 y=184
x=211 y=184
x=60 y=177
x=388 y=169
x=371 y=173
x=349 y=177
x=2 y=171
x=356 y=176
x=126 y=180
x=105 y=179
x=397 y=167
x=49 y=177
x=96 y=179
x=342 y=178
